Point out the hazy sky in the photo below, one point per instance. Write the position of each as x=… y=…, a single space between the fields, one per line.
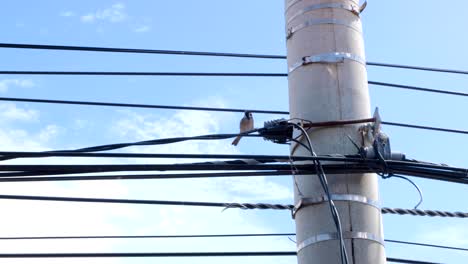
x=425 y=33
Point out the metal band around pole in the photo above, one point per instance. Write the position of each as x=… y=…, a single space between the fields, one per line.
x=334 y=236
x=325 y=21
x=335 y=197
x=290 y=3
x=349 y=7
x=334 y=57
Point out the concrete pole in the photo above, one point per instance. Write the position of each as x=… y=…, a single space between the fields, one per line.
x=331 y=85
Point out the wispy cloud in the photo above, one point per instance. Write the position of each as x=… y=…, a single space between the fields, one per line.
x=10 y=112
x=5 y=84
x=142 y=29
x=114 y=14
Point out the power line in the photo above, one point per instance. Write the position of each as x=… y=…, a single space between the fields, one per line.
x=259 y=158
x=425 y=245
x=244 y=206
x=200 y=53
x=208 y=74
x=147 y=143
x=150 y=236
x=146 y=176
x=456 y=131
x=141 y=51
x=172 y=254
x=417 y=88
x=207 y=236
x=416 y=68
x=177 y=254
x=416 y=169
x=133 y=73
x=172 y=107
x=194 y=108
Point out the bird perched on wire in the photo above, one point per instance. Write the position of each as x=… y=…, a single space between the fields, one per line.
x=246 y=124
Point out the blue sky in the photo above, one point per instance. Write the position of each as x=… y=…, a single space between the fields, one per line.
x=406 y=32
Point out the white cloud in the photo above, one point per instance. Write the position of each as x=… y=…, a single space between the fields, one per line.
x=6 y=84
x=10 y=112
x=114 y=14
x=43 y=218
x=142 y=29
x=454 y=235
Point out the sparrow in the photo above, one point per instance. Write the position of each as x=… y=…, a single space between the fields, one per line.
x=246 y=124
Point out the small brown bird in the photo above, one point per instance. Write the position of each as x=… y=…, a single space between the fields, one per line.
x=246 y=124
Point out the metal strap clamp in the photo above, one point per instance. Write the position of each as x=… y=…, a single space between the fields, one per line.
x=335 y=197
x=349 y=7
x=334 y=236
x=293 y=2
x=325 y=21
x=334 y=57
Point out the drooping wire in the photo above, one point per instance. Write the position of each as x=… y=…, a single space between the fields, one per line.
x=323 y=181
x=147 y=143
x=421 y=197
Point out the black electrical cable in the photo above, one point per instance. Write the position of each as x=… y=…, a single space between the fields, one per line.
x=422 y=170
x=323 y=181
x=207 y=236
x=260 y=158
x=416 y=68
x=207 y=74
x=176 y=254
x=426 y=127
x=200 y=53
x=424 y=245
x=148 y=236
x=122 y=73
x=130 y=201
x=143 y=51
x=193 y=108
x=147 y=254
x=151 y=143
x=417 y=88
x=147 y=176
x=69 y=102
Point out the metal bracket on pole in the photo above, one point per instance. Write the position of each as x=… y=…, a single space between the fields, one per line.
x=334 y=236
x=334 y=57
x=335 y=197
x=293 y=2
x=325 y=21
x=349 y=7
x=376 y=143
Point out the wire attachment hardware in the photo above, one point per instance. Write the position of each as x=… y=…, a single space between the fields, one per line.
x=333 y=57
x=278 y=131
x=335 y=197
x=375 y=143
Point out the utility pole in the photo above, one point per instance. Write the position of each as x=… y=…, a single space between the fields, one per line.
x=328 y=82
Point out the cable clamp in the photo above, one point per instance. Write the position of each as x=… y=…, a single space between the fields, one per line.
x=346 y=6
x=375 y=143
x=279 y=131
x=303 y=202
x=323 y=21
x=290 y=3
x=334 y=57
x=334 y=236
